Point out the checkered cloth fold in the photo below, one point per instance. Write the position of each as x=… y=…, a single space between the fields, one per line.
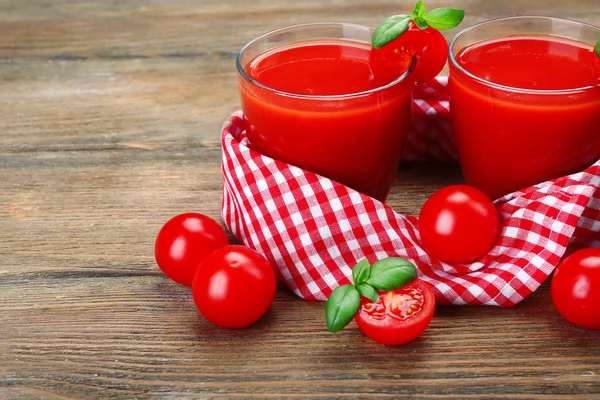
x=314 y=230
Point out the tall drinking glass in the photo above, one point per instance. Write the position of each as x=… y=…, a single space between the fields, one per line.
x=354 y=138
x=534 y=125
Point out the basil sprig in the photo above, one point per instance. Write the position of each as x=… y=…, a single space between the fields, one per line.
x=391 y=273
x=419 y=14
x=385 y=275
x=444 y=18
x=342 y=305
x=390 y=30
x=598 y=49
x=396 y=25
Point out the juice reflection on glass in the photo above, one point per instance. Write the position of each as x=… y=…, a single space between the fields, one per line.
x=313 y=101
x=525 y=101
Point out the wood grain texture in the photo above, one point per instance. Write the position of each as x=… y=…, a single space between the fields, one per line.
x=162 y=72
x=110 y=122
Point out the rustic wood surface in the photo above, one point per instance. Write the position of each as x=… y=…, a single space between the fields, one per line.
x=110 y=120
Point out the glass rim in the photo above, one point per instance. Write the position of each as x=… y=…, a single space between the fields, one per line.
x=455 y=64
x=249 y=79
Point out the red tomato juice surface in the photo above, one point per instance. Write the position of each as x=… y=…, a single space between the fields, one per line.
x=509 y=139
x=319 y=106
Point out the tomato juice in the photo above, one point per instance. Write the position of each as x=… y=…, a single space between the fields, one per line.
x=525 y=109
x=318 y=105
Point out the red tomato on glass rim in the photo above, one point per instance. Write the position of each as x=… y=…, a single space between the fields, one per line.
x=401 y=37
x=428 y=46
x=400 y=315
x=234 y=286
x=459 y=224
x=575 y=288
x=184 y=241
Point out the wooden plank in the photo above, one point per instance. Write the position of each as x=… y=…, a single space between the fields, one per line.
x=84 y=335
x=130 y=103
x=144 y=72
x=86 y=209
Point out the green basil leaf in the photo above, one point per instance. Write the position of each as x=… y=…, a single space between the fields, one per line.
x=342 y=305
x=368 y=291
x=421 y=23
x=598 y=49
x=392 y=273
x=444 y=18
x=390 y=30
x=420 y=10
x=361 y=272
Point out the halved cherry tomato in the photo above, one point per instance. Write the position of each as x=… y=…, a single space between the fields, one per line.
x=184 y=241
x=575 y=288
x=459 y=224
x=399 y=316
x=429 y=47
x=234 y=286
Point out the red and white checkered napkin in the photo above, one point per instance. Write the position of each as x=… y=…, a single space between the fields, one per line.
x=429 y=137
x=314 y=230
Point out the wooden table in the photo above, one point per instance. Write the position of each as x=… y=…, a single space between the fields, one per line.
x=111 y=113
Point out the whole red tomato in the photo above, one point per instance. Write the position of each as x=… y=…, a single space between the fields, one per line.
x=459 y=224
x=575 y=288
x=429 y=47
x=234 y=286
x=184 y=241
x=399 y=316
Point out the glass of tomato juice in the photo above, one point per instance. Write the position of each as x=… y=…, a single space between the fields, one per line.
x=313 y=101
x=524 y=101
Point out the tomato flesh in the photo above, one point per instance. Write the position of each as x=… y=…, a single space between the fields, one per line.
x=459 y=224
x=575 y=288
x=399 y=316
x=234 y=286
x=429 y=47
x=184 y=241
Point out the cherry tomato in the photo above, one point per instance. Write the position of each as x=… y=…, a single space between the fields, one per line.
x=459 y=224
x=392 y=60
x=575 y=288
x=184 y=241
x=399 y=316
x=234 y=286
